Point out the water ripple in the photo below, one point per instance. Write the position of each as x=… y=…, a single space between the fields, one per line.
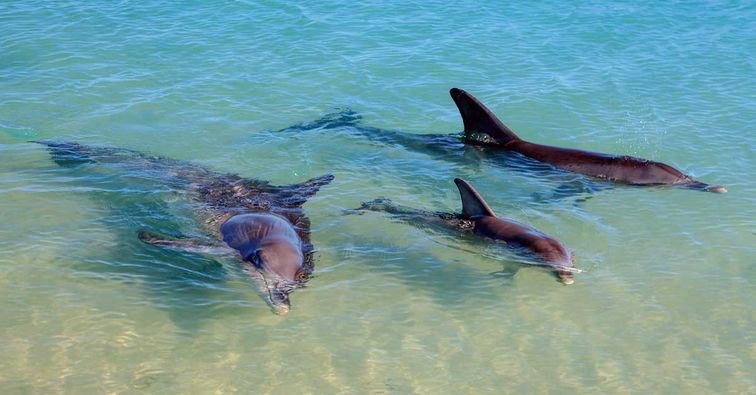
x=664 y=303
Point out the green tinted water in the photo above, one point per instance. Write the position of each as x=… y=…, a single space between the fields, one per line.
x=665 y=300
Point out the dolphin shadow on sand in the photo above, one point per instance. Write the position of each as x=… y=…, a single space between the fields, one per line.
x=262 y=225
x=478 y=219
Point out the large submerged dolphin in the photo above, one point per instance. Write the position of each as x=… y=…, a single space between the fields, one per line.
x=482 y=127
x=485 y=133
x=478 y=218
x=261 y=224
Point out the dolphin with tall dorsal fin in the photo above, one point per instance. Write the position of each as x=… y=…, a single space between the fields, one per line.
x=478 y=218
x=486 y=224
x=482 y=127
x=262 y=224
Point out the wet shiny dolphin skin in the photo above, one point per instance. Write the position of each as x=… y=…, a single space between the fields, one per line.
x=262 y=224
x=272 y=245
x=478 y=219
x=486 y=138
x=482 y=127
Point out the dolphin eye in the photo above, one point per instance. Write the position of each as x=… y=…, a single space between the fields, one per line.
x=255 y=258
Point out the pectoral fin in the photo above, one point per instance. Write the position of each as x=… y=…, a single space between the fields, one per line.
x=185 y=244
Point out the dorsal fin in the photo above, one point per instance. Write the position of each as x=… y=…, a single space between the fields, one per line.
x=473 y=204
x=480 y=120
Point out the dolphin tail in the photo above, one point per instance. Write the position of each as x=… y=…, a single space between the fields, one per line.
x=388 y=206
x=67 y=154
x=481 y=125
x=473 y=204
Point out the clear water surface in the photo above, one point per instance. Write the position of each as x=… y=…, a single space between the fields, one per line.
x=665 y=303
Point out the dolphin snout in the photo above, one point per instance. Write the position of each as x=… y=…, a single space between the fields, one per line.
x=279 y=297
x=716 y=189
x=565 y=276
x=281 y=309
x=280 y=303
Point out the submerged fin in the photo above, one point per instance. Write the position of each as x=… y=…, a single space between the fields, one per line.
x=295 y=195
x=481 y=125
x=473 y=204
x=184 y=244
x=345 y=117
x=309 y=188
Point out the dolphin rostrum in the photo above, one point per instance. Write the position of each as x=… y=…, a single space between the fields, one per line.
x=482 y=127
x=261 y=224
x=478 y=218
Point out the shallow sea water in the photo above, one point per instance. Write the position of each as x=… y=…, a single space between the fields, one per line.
x=665 y=302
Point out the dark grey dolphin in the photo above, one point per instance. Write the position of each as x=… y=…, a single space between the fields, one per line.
x=478 y=218
x=262 y=224
x=482 y=127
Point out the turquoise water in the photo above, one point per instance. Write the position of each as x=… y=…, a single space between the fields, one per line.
x=665 y=302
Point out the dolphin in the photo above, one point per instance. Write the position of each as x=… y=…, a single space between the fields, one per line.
x=478 y=218
x=483 y=128
x=260 y=224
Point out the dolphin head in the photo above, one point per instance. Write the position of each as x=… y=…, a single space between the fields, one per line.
x=557 y=258
x=565 y=276
x=279 y=302
x=273 y=247
x=279 y=263
x=280 y=267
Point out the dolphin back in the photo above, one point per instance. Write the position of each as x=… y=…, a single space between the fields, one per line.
x=473 y=204
x=246 y=232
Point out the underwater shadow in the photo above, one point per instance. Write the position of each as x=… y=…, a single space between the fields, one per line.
x=193 y=289
x=451 y=148
x=448 y=281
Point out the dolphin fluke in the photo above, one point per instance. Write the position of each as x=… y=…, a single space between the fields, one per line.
x=473 y=204
x=481 y=125
x=66 y=154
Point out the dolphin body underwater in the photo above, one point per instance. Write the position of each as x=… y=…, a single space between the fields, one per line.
x=261 y=224
x=484 y=130
x=478 y=218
